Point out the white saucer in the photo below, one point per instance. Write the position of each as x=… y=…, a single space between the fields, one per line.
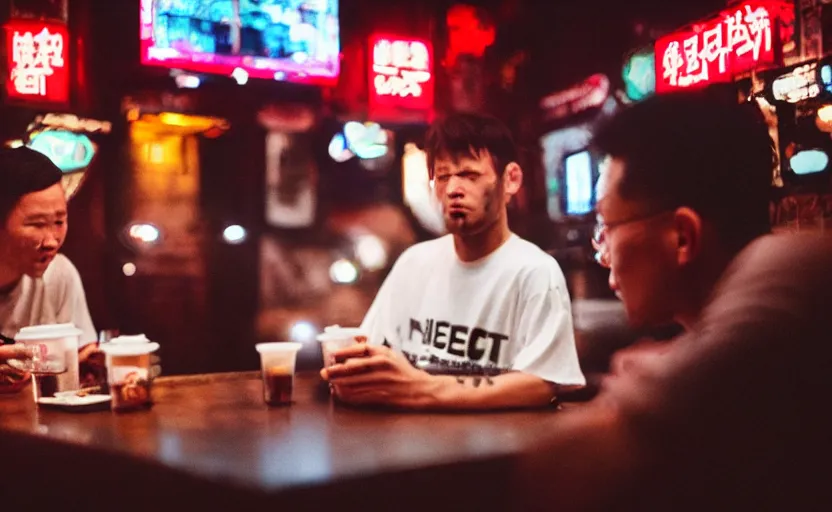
x=74 y=400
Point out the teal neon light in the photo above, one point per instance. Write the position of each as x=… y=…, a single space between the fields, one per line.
x=69 y=151
x=639 y=75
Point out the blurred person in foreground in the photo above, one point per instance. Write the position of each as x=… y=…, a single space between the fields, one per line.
x=474 y=303
x=731 y=414
x=38 y=285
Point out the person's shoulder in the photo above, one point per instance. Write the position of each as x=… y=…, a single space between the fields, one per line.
x=789 y=246
x=802 y=257
x=776 y=283
x=427 y=249
x=535 y=266
x=527 y=254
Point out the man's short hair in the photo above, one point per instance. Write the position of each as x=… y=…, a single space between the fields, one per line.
x=23 y=171
x=699 y=150
x=467 y=134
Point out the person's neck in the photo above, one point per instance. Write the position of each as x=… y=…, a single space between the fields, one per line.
x=8 y=279
x=477 y=246
x=701 y=284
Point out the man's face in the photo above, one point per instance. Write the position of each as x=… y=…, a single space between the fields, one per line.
x=641 y=252
x=470 y=191
x=34 y=231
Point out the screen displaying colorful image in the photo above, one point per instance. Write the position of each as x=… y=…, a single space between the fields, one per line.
x=578 y=178
x=291 y=40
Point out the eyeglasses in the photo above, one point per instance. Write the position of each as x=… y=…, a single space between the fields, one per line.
x=602 y=229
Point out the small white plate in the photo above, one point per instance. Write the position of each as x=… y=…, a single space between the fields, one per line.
x=74 y=400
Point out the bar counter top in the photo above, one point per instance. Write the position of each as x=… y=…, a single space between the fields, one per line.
x=210 y=440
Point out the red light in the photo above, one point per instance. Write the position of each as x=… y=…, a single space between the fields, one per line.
x=401 y=73
x=37 y=61
x=740 y=39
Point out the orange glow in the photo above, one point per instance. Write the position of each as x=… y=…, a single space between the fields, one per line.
x=164 y=191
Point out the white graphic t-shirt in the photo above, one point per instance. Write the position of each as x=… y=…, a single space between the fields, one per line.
x=507 y=311
x=57 y=297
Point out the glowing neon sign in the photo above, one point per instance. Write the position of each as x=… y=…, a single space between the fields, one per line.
x=798 y=85
x=37 y=61
x=69 y=151
x=401 y=73
x=738 y=40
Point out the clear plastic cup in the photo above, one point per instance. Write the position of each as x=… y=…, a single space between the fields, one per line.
x=128 y=374
x=335 y=338
x=54 y=357
x=277 y=362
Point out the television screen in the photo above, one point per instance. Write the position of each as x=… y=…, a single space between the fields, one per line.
x=291 y=40
x=578 y=179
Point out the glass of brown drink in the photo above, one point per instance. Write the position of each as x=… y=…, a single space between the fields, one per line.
x=277 y=361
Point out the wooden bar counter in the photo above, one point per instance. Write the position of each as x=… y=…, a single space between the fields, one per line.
x=210 y=443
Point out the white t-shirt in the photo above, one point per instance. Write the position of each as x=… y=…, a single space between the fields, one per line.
x=56 y=298
x=508 y=311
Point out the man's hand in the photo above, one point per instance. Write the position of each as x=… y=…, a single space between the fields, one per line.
x=12 y=380
x=375 y=375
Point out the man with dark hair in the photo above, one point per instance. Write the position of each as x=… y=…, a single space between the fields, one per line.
x=730 y=414
x=38 y=285
x=689 y=172
x=478 y=301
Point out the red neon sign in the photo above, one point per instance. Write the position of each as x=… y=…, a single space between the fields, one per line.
x=740 y=39
x=37 y=60
x=401 y=73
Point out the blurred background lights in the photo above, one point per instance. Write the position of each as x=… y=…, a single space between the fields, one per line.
x=185 y=81
x=144 y=233
x=809 y=161
x=338 y=148
x=371 y=252
x=343 y=271
x=240 y=75
x=234 y=234
x=129 y=269
x=303 y=332
x=825 y=113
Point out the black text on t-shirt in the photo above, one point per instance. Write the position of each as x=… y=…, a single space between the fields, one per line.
x=472 y=343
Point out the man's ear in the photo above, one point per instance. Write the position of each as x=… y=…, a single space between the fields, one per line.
x=512 y=178
x=687 y=225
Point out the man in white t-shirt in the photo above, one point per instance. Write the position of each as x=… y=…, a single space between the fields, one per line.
x=475 y=303
x=37 y=284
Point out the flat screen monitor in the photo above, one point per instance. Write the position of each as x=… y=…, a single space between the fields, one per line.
x=578 y=180
x=285 y=40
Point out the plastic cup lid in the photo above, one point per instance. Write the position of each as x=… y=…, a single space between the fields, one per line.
x=47 y=332
x=137 y=338
x=129 y=349
x=278 y=346
x=335 y=333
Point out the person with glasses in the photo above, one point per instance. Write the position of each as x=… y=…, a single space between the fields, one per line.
x=730 y=414
x=38 y=285
x=487 y=312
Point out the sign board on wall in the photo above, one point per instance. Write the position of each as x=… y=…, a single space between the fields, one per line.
x=37 y=61
x=591 y=93
x=801 y=83
x=400 y=74
x=741 y=38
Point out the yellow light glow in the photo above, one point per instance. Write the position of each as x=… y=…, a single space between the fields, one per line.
x=188 y=121
x=825 y=113
x=133 y=114
x=156 y=153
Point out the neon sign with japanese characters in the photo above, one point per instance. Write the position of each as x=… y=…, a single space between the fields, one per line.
x=37 y=57
x=401 y=73
x=740 y=39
